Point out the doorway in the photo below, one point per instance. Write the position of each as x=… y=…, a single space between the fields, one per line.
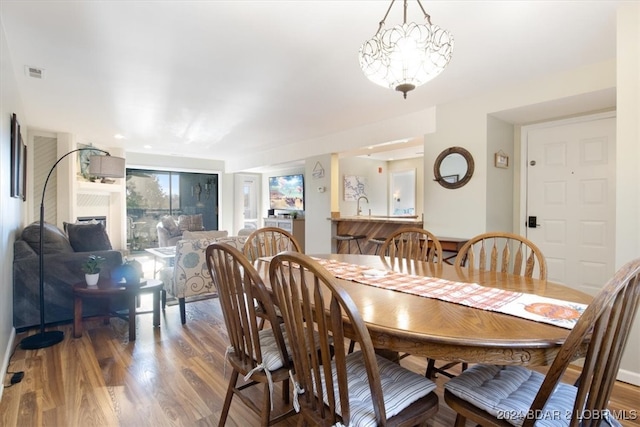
x=250 y=202
x=569 y=192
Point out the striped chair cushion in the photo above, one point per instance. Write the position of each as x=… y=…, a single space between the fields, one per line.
x=400 y=388
x=507 y=392
x=270 y=353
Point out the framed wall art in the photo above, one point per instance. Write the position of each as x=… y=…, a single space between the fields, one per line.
x=17 y=161
x=23 y=169
x=354 y=187
x=501 y=160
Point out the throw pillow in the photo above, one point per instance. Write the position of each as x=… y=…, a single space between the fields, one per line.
x=190 y=222
x=170 y=225
x=55 y=241
x=88 y=237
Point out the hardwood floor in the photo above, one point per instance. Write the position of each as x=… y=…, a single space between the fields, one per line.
x=170 y=376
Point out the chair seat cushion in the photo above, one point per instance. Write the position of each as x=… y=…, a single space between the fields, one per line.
x=400 y=388
x=507 y=392
x=270 y=352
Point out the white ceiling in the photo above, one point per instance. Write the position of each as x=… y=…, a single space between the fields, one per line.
x=217 y=79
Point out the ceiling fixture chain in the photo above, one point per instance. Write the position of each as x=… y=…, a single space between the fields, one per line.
x=407 y=55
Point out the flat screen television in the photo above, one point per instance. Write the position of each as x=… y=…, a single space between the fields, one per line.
x=286 y=192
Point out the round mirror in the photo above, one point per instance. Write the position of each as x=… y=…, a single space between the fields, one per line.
x=453 y=167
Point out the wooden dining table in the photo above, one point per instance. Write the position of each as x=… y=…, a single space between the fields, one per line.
x=407 y=323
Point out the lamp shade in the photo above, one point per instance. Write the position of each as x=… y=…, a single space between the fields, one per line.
x=106 y=166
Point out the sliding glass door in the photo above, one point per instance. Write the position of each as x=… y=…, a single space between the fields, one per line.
x=154 y=194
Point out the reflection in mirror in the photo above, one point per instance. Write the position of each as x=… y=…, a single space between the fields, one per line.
x=402 y=186
x=453 y=168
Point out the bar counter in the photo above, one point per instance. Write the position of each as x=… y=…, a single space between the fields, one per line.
x=370 y=226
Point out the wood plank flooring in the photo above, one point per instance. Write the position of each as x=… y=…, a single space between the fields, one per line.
x=170 y=376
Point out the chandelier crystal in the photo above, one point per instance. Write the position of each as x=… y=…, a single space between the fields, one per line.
x=407 y=55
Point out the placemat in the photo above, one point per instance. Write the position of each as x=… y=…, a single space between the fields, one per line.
x=556 y=312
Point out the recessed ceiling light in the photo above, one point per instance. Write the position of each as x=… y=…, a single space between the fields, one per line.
x=148 y=147
x=118 y=136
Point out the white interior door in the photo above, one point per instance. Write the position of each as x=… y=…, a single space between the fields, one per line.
x=250 y=202
x=570 y=210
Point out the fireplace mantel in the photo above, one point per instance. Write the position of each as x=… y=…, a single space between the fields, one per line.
x=88 y=187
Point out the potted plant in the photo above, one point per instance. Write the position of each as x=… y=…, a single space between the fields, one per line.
x=91 y=268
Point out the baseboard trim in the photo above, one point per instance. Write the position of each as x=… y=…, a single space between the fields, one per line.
x=7 y=356
x=629 y=377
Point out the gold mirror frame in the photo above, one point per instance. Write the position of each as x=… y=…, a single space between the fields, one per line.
x=459 y=182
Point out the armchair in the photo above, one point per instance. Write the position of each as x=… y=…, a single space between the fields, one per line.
x=189 y=275
x=170 y=230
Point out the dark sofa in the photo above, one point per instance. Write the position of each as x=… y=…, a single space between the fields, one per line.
x=63 y=256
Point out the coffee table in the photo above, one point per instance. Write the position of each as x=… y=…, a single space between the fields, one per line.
x=108 y=289
x=167 y=253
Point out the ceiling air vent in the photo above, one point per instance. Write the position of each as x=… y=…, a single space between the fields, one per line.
x=35 y=72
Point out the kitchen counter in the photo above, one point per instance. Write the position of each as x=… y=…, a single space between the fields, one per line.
x=370 y=226
x=411 y=220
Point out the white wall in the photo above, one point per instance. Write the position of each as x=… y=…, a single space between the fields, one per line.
x=318 y=204
x=376 y=189
x=12 y=208
x=463 y=212
x=500 y=193
x=407 y=126
x=627 y=160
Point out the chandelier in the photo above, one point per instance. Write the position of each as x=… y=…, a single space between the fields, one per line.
x=407 y=55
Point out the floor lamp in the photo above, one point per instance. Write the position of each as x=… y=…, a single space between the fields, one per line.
x=107 y=166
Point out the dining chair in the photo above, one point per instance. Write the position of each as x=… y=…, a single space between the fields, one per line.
x=259 y=355
x=504 y=252
x=411 y=244
x=408 y=244
x=495 y=251
x=514 y=395
x=331 y=385
x=268 y=241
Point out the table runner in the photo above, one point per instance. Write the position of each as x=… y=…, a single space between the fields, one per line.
x=556 y=312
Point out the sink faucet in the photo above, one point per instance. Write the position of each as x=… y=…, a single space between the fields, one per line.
x=358 y=203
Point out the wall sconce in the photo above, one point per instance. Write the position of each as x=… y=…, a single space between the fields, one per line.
x=196 y=191
x=396 y=196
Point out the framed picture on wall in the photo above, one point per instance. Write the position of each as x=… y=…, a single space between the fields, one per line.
x=23 y=170
x=354 y=187
x=501 y=160
x=16 y=155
